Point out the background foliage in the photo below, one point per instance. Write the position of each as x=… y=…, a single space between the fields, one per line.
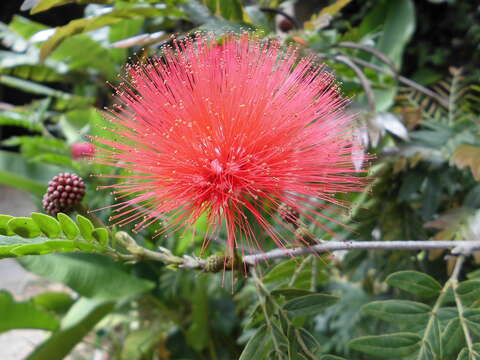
x=415 y=89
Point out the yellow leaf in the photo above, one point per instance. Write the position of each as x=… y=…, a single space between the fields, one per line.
x=322 y=19
x=335 y=7
x=468 y=155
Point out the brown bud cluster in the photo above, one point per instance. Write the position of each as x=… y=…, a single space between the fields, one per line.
x=65 y=191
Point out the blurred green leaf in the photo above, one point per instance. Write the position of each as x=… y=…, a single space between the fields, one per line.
x=197 y=13
x=398 y=28
x=79 y=321
x=58 y=302
x=390 y=346
x=4 y=229
x=12 y=118
x=139 y=343
x=23 y=315
x=466 y=354
x=95 y=22
x=16 y=172
x=258 y=345
x=90 y=275
x=198 y=335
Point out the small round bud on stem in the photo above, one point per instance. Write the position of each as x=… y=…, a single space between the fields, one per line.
x=217 y=263
x=65 y=191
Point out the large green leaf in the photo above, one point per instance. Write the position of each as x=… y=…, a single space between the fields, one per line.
x=309 y=304
x=24 y=315
x=415 y=282
x=90 y=275
x=390 y=346
x=198 y=335
x=258 y=345
x=399 y=311
x=80 y=319
x=398 y=28
x=121 y=31
x=82 y=53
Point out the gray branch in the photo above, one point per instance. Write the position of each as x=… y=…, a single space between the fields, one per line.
x=457 y=247
x=218 y=263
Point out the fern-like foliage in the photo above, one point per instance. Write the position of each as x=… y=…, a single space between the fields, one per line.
x=43 y=234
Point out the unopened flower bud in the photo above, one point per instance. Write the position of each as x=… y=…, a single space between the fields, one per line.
x=216 y=263
x=65 y=191
x=82 y=150
x=285 y=25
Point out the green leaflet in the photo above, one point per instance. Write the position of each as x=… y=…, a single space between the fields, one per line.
x=43 y=234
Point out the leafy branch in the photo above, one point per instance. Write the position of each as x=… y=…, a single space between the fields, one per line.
x=447 y=328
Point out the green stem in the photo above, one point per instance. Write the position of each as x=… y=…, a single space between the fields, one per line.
x=261 y=288
x=458 y=302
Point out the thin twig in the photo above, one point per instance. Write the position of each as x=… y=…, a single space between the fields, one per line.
x=440 y=99
x=362 y=78
x=370 y=50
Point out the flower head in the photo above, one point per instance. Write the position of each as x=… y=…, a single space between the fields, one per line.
x=233 y=129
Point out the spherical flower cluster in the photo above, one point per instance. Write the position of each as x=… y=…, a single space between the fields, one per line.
x=65 y=191
x=232 y=128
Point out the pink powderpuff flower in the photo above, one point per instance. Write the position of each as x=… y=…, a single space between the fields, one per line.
x=231 y=128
